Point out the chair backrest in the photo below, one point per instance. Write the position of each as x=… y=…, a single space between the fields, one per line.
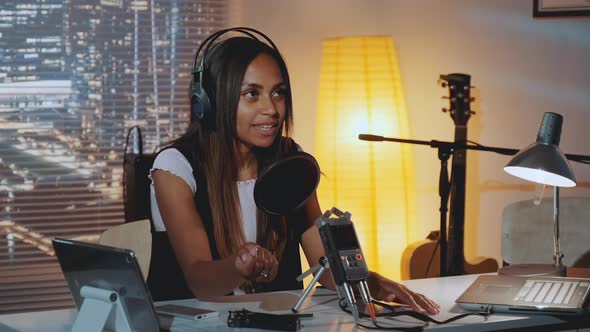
x=527 y=231
x=134 y=236
x=136 y=181
x=421 y=259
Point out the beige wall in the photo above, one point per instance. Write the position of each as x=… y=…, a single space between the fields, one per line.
x=521 y=67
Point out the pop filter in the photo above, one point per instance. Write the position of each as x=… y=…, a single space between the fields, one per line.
x=285 y=185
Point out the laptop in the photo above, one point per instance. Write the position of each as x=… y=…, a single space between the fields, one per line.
x=530 y=295
x=87 y=264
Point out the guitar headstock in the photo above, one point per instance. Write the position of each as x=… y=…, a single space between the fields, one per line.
x=459 y=86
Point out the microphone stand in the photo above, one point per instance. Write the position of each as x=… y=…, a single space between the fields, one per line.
x=319 y=268
x=345 y=291
x=445 y=150
x=444 y=190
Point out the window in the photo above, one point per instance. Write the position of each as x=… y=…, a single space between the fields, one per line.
x=74 y=76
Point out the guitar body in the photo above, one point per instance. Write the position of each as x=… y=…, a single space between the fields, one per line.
x=421 y=259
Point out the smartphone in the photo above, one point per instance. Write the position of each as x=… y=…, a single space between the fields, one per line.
x=186 y=312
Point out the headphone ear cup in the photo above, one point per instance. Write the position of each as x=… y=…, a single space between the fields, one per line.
x=200 y=105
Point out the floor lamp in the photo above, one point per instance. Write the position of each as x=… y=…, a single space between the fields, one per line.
x=543 y=162
x=361 y=91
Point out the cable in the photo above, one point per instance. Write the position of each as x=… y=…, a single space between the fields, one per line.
x=474 y=143
x=343 y=304
x=125 y=157
x=396 y=312
x=436 y=246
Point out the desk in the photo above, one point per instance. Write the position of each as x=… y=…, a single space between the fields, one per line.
x=327 y=315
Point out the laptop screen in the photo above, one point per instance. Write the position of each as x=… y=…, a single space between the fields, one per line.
x=114 y=269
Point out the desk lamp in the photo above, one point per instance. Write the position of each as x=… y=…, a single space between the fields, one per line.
x=543 y=162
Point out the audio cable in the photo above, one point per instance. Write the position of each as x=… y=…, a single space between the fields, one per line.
x=397 y=312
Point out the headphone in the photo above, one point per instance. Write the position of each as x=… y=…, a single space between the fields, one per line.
x=200 y=102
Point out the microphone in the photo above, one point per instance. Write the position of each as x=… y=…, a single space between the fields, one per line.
x=345 y=258
x=371 y=138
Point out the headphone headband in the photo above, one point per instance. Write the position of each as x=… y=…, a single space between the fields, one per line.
x=200 y=104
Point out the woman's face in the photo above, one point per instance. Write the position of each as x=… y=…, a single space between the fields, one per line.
x=261 y=109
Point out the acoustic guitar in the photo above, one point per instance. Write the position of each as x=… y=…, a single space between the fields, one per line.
x=422 y=259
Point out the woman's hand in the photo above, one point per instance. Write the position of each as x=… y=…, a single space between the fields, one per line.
x=386 y=290
x=255 y=263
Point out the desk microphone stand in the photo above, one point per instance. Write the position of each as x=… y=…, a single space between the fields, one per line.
x=319 y=268
x=344 y=288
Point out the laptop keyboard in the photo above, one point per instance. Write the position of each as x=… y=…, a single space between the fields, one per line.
x=548 y=292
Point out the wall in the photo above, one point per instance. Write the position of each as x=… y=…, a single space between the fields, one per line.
x=521 y=67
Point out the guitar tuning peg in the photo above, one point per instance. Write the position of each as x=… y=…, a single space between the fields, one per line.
x=445 y=97
x=471 y=112
x=444 y=110
x=442 y=83
x=471 y=99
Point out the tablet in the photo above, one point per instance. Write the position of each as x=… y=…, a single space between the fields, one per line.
x=87 y=264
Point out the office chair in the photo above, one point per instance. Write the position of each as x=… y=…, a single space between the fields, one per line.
x=135 y=236
x=527 y=232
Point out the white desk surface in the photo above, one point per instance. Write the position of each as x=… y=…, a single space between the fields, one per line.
x=327 y=315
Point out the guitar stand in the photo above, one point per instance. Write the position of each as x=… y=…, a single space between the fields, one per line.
x=444 y=190
x=101 y=308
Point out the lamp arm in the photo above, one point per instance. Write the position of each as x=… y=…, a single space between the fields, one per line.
x=557 y=254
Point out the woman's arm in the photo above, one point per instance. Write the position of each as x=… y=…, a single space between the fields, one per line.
x=387 y=290
x=311 y=241
x=204 y=276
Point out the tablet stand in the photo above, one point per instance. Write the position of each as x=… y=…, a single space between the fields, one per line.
x=101 y=308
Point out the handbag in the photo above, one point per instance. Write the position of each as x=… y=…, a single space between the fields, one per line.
x=136 y=183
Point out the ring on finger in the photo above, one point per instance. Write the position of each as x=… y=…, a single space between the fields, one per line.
x=264 y=274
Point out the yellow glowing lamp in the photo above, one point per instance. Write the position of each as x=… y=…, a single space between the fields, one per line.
x=361 y=92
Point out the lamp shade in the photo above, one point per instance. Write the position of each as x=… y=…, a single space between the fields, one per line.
x=543 y=162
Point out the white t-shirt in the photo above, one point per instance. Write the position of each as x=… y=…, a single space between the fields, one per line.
x=173 y=161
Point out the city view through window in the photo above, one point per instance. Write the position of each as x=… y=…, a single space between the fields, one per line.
x=75 y=75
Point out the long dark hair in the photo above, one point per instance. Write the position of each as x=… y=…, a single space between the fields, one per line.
x=212 y=142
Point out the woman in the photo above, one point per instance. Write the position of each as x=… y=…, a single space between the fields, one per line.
x=202 y=189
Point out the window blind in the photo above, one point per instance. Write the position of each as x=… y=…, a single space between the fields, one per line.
x=74 y=76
